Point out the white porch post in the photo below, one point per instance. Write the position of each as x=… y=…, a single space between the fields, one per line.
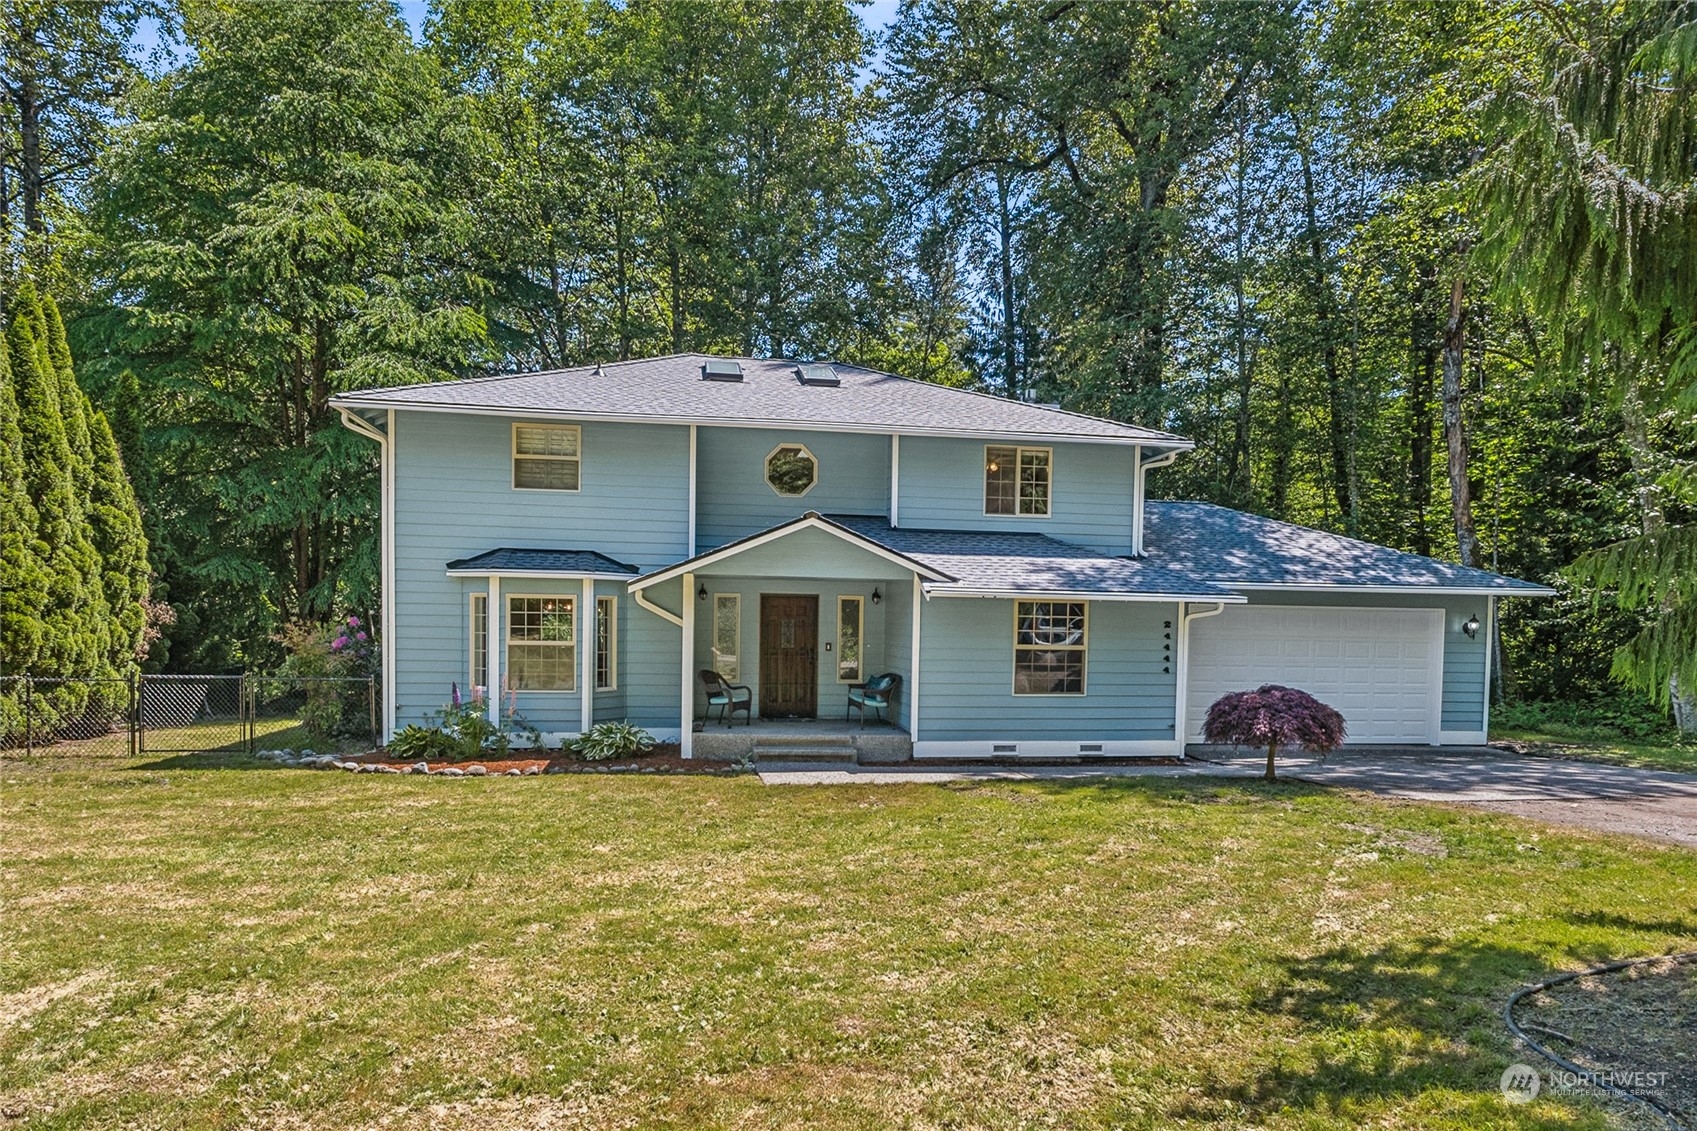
x=588 y=634
x=913 y=682
x=497 y=629
x=686 y=707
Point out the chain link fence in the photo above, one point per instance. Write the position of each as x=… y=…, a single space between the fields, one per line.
x=119 y=717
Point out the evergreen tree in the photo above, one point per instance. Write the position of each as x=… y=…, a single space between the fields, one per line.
x=74 y=612
x=23 y=576
x=115 y=523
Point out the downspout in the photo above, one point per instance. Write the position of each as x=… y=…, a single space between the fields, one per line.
x=1143 y=466
x=386 y=556
x=1182 y=684
x=666 y=615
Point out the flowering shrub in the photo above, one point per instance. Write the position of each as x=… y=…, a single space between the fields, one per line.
x=327 y=660
x=1274 y=716
x=353 y=645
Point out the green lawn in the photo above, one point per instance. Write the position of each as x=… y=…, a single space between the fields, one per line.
x=220 y=947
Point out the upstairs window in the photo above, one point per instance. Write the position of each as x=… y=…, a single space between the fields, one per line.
x=1016 y=481
x=545 y=457
x=791 y=470
x=1049 y=647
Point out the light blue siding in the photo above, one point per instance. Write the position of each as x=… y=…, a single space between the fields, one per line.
x=1464 y=657
x=453 y=498
x=898 y=646
x=733 y=499
x=966 y=686
x=942 y=488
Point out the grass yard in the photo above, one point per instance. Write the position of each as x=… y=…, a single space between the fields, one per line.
x=244 y=947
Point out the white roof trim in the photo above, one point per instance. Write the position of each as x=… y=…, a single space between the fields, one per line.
x=540 y=574
x=1081 y=595
x=1157 y=440
x=1525 y=589
x=810 y=521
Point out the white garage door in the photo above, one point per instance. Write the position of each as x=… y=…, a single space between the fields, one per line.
x=1381 y=668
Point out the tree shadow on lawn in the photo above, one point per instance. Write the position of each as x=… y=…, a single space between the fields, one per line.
x=1388 y=1024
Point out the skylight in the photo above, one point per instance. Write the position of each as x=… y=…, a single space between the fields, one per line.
x=721 y=369
x=820 y=374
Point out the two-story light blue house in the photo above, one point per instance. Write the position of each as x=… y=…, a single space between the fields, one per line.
x=588 y=541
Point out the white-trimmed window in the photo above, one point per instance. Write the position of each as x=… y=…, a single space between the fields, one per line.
x=546 y=457
x=1016 y=480
x=479 y=666
x=851 y=626
x=1049 y=644
x=727 y=635
x=791 y=470
x=606 y=643
x=542 y=643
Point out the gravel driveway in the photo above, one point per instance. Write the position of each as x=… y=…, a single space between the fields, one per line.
x=1613 y=799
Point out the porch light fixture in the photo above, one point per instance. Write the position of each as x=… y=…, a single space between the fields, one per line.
x=1471 y=627
x=701 y=594
x=877 y=597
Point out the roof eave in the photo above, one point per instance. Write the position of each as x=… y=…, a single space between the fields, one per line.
x=1053 y=594
x=1519 y=589
x=1147 y=440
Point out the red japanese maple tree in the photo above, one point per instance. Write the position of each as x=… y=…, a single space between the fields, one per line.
x=1274 y=716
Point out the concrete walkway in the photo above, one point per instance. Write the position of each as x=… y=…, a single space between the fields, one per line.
x=801 y=773
x=1615 y=799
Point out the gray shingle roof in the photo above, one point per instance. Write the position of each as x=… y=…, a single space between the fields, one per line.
x=507 y=559
x=1227 y=547
x=671 y=389
x=1029 y=563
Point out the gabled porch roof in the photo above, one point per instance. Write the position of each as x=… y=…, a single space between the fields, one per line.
x=812 y=520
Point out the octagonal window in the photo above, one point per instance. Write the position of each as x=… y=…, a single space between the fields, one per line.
x=791 y=470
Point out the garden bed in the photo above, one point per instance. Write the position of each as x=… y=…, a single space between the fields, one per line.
x=663 y=759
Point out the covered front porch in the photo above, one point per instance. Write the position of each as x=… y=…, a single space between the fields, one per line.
x=791 y=622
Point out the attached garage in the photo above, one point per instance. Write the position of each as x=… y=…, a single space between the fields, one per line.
x=1382 y=668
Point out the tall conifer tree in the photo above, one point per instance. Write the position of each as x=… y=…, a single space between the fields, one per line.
x=73 y=628
x=23 y=592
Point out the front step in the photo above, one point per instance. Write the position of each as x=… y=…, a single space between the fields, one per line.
x=804 y=748
x=812 y=752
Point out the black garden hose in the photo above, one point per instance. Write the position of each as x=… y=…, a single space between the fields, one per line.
x=1585 y=1073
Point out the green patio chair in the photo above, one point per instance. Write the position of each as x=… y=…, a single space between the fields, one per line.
x=728 y=697
x=876 y=694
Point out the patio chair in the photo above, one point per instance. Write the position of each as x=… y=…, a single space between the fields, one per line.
x=876 y=694
x=728 y=697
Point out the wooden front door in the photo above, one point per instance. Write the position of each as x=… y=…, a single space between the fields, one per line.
x=789 y=656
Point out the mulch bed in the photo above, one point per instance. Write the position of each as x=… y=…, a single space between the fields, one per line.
x=664 y=759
